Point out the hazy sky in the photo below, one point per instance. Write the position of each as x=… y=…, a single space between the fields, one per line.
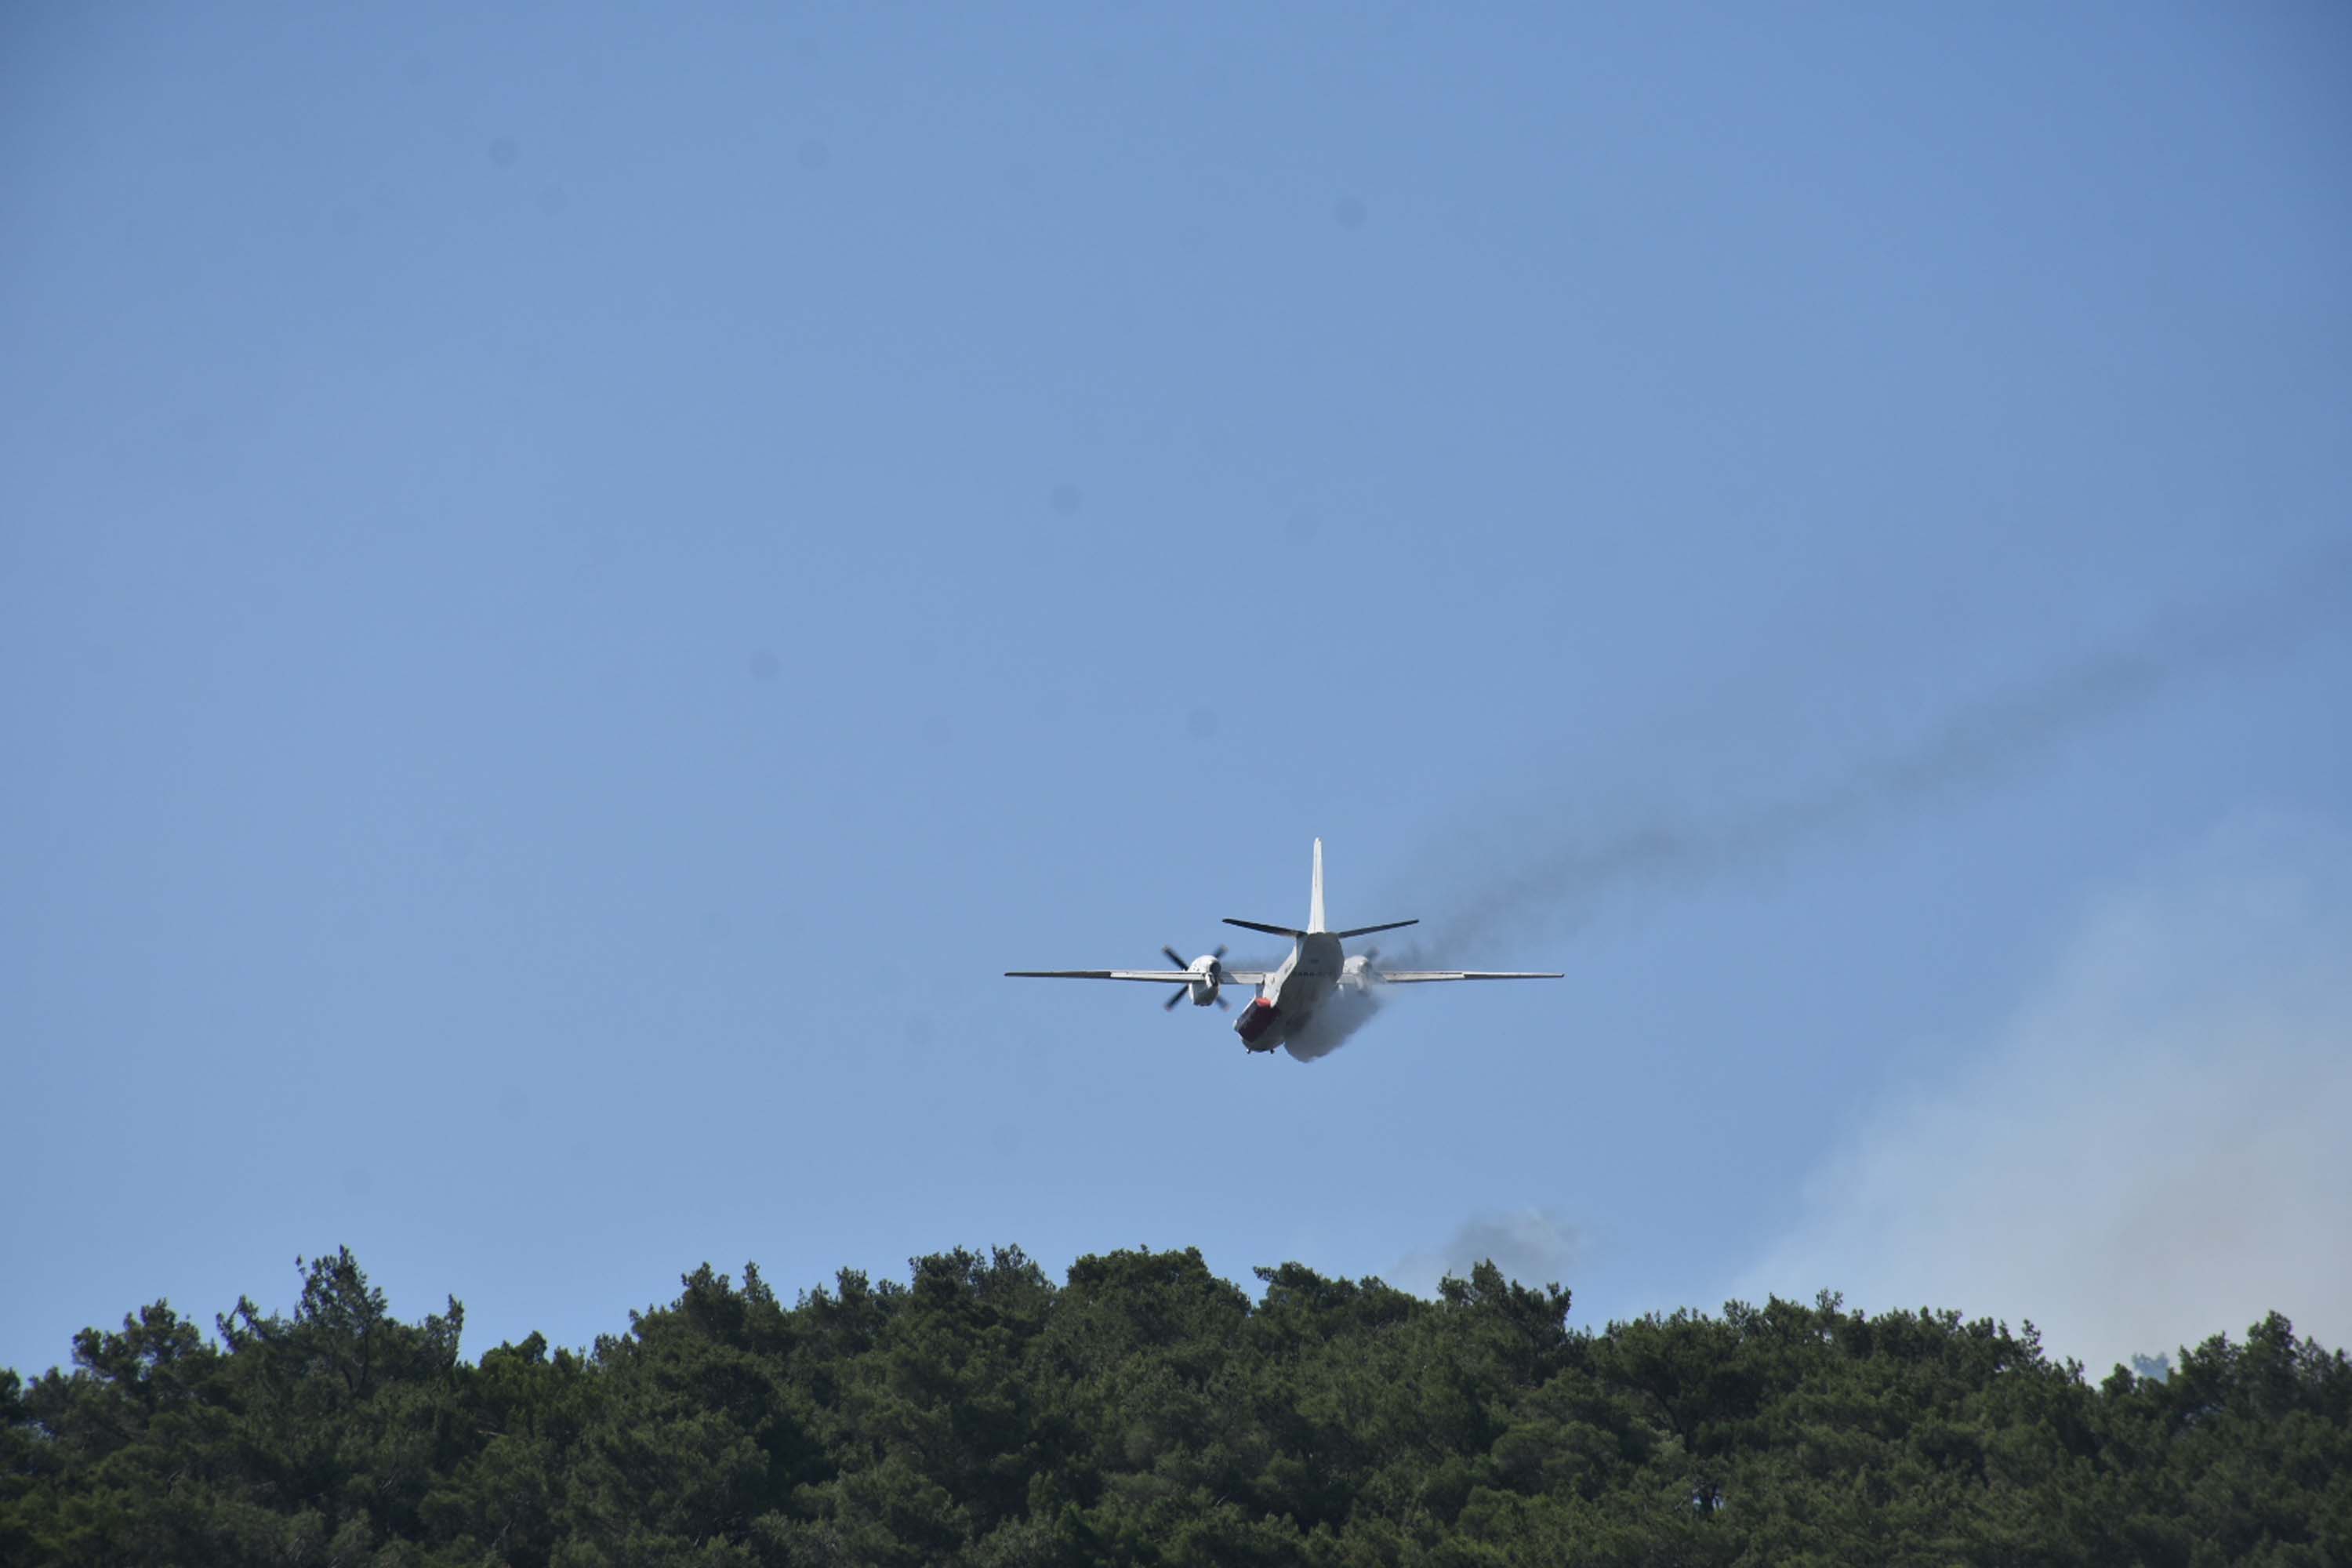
x=575 y=584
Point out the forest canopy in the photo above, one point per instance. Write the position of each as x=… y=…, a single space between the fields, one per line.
x=1144 y=1411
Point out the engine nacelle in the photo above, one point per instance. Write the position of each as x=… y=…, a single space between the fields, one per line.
x=1356 y=973
x=1208 y=975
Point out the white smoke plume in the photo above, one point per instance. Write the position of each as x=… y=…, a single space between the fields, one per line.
x=1334 y=1024
x=2153 y=1150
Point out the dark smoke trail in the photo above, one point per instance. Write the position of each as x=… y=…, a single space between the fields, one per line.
x=1569 y=882
x=1566 y=882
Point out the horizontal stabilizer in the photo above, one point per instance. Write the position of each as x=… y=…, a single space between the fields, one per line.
x=1152 y=977
x=1270 y=931
x=1367 y=930
x=1423 y=976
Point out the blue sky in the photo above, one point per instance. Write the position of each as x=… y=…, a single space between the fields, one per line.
x=575 y=584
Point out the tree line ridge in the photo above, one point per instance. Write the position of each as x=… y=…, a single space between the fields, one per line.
x=1144 y=1411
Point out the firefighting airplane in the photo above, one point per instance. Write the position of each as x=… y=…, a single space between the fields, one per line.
x=1288 y=996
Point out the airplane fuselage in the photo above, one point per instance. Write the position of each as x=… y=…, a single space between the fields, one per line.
x=1290 y=994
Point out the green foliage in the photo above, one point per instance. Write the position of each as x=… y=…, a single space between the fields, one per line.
x=1146 y=1412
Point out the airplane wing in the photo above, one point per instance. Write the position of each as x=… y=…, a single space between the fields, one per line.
x=1423 y=976
x=1158 y=977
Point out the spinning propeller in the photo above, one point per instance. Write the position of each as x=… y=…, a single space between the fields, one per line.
x=1208 y=966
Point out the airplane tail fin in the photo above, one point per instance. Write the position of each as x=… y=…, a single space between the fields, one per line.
x=1315 y=921
x=1314 y=908
x=1315 y=896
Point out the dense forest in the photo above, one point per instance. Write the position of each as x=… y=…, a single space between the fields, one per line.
x=1147 y=1412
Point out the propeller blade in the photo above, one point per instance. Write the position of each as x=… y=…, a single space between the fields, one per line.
x=1220 y=952
x=1170 y=1006
x=1223 y=1005
x=1176 y=958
